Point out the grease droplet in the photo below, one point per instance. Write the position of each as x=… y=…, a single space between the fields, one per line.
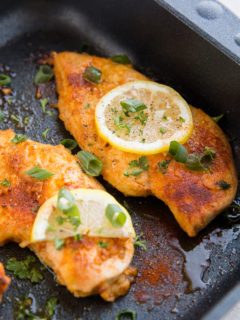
x=209 y=10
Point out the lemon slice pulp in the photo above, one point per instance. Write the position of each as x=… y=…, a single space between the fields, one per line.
x=51 y=223
x=143 y=117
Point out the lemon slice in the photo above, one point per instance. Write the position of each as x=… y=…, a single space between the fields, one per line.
x=96 y=212
x=143 y=117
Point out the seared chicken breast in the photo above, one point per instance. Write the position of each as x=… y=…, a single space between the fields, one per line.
x=82 y=266
x=4 y=281
x=194 y=197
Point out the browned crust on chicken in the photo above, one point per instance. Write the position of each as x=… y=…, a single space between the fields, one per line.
x=194 y=197
x=82 y=266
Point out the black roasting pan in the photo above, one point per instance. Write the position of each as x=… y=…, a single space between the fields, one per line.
x=190 y=45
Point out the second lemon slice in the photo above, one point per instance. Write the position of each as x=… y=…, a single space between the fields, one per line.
x=143 y=117
x=81 y=212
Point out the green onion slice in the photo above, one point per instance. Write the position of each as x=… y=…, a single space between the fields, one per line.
x=115 y=215
x=218 y=118
x=69 y=143
x=65 y=200
x=178 y=152
x=121 y=58
x=5 y=183
x=43 y=75
x=132 y=105
x=5 y=79
x=92 y=74
x=90 y=163
x=18 y=138
x=59 y=243
x=39 y=173
x=127 y=313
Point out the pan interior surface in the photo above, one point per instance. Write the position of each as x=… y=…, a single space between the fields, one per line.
x=179 y=277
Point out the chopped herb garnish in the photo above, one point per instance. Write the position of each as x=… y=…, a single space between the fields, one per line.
x=139 y=242
x=163 y=165
x=43 y=75
x=51 y=307
x=115 y=215
x=126 y=314
x=26 y=120
x=181 y=119
x=25 y=269
x=67 y=204
x=162 y=130
x=92 y=74
x=178 y=152
x=120 y=124
x=5 y=183
x=132 y=105
x=5 y=80
x=121 y=58
x=15 y=118
x=90 y=163
x=142 y=117
x=24 y=310
x=45 y=133
x=18 y=138
x=43 y=104
x=59 y=243
x=87 y=106
x=138 y=166
x=39 y=173
x=223 y=185
x=217 y=118
x=1 y=116
x=164 y=118
x=69 y=143
x=103 y=244
x=77 y=237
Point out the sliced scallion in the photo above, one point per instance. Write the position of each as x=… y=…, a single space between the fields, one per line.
x=126 y=314
x=39 y=173
x=92 y=74
x=43 y=75
x=5 y=183
x=90 y=163
x=178 y=152
x=132 y=105
x=45 y=133
x=18 y=138
x=218 y=118
x=69 y=143
x=115 y=215
x=121 y=58
x=5 y=80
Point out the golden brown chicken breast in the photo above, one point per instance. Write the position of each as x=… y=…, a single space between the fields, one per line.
x=195 y=197
x=82 y=266
x=4 y=281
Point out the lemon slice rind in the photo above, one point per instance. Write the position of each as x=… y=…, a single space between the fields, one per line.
x=94 y=223
x=157 y=146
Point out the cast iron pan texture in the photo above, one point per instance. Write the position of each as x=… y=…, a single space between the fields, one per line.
x=168 y=51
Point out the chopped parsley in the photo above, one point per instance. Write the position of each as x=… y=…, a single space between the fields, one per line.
x=87 y=106
x=162 y=130
x=18 y=138
x=1 y=116
x=163 y=165
x=137 y=166
x=5 y=183
x=142 y=117
x=139 y=242
x=25 y=269
x=45 y=133
x=43 y=104
x=181 y=119
x=15 y=118
x=103 y=244
x=120 y=124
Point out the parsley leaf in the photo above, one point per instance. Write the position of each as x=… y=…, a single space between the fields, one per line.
x=5 y=183
x=25 y=269
x=139 y=242
x=137 y=166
